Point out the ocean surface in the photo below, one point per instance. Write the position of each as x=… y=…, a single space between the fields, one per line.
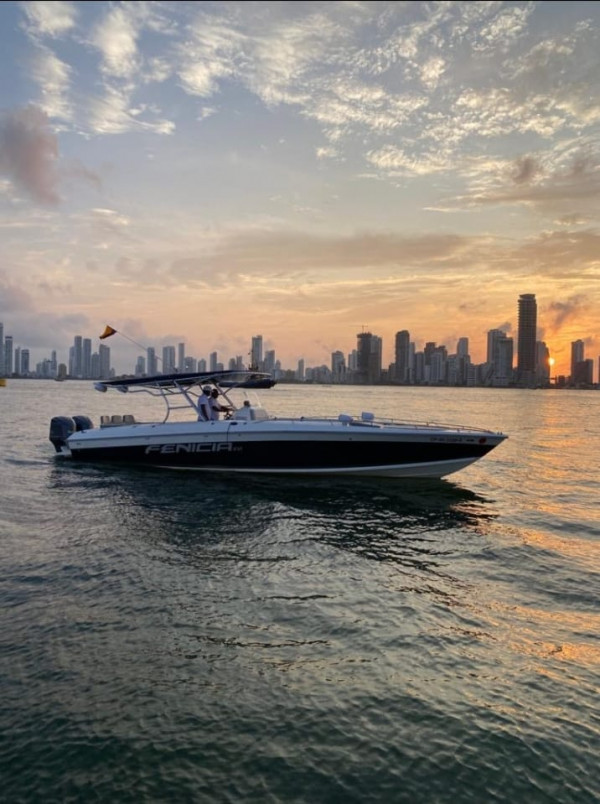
x=175 y=637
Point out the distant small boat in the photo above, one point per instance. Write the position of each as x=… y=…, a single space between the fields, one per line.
x=252 y=382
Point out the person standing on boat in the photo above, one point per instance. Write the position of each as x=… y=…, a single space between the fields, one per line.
x=215 y=407
x=204 y=404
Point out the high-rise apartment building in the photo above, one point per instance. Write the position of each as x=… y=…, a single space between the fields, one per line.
x=168 y=360
x=256 y=353
x=499 y=358
x=527 y=340
x=152 y=361
x=86 y=359
x=369 y=349
x=104 y=355
x=269 y=364
x=25 y=362
x=1 y=349
x=77 y=357
x=8 y=355
x=577 y=356
x=402 y=355
x=181 y=356
x=338 y=367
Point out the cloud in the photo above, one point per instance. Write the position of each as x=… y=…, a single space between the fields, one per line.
x=554 y=180
x=53 y=18
x=53 y=77
x=29 y=153
x=116 y=39
x=113 y=114
x=561 y=313
x=47 y=331
x=13 y=299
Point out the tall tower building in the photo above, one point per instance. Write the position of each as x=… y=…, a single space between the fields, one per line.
x=104 y=354
x=402 y=356
x=181 y=356
x=1 y=349
x=577 y=356
x=168 y=360
x=152 y=361
x=499 y=358
x=369 y=349
x=527 y=340
x=86 y=360
x=25 y=362
x=338 y=366
x=8 y=355
x=269 y=364
x=256 y=353
x=77 y=369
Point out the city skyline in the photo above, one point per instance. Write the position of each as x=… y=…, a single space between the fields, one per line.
x=435 y=364
x=198 y=172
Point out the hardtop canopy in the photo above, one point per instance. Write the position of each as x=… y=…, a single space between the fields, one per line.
x=188 y=379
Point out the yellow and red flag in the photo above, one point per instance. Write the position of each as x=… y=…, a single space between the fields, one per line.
x=108 y=331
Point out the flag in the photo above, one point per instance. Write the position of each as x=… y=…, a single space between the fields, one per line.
x=108 y=331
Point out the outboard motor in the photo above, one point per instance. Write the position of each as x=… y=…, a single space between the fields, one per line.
x=82 y=423
x=61 y=428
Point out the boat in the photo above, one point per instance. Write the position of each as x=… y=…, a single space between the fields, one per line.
x=249 y=440
x=255 y=382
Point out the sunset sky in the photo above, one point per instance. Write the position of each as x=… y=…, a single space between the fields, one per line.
x=205 y=172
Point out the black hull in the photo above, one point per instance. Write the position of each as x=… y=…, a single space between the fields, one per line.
x=295 y=456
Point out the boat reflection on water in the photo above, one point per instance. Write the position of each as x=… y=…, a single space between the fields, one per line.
x=379 y=518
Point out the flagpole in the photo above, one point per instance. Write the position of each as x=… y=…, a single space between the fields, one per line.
x=112 y=331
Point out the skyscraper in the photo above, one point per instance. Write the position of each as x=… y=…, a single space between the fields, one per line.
x=256 y=353
x=338 y=366
x=1 y=349
x=526 y=340
x=104 y=355
x=8 y=355
x=499 y=358
x=168 y=360
x=24 y=362
x=401 y=365
x=86 y=364
x=369 y=349
x=77 y=367
x=152 y=361
x=577 y=356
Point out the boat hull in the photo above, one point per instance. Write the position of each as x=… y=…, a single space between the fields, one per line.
x=274 y=447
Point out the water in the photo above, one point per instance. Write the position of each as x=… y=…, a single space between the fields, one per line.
x=173 y=638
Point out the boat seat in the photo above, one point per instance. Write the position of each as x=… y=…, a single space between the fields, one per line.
x=116 y=418
x=104 y=421
x=128 y=418
x=251 y=414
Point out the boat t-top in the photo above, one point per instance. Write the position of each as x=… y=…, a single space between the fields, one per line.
x=246 y=439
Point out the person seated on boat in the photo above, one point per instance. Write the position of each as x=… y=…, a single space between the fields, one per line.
x=204 y=411
x=215 y=407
